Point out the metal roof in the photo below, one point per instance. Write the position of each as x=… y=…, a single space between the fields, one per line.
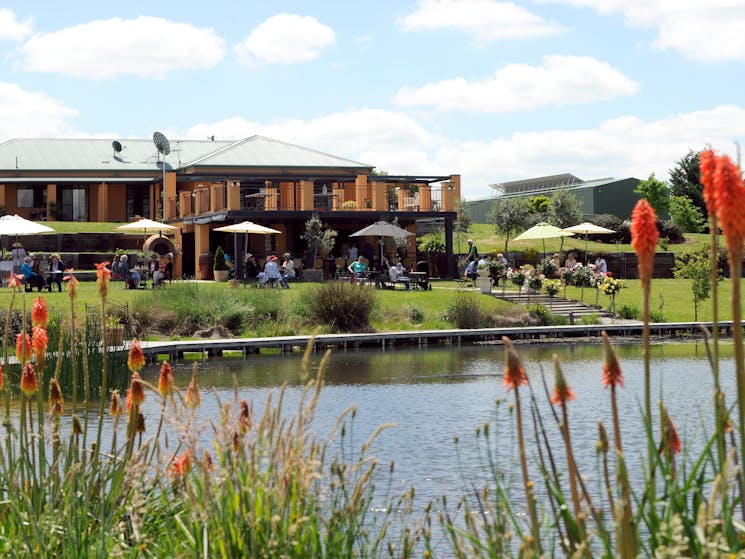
x=98 y=155
x=57 y=180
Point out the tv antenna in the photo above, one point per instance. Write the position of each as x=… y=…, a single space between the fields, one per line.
x=117 y=146
x=163 y=146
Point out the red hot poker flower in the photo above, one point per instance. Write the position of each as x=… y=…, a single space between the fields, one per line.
x=115 y=409
x=514 y=374
x=55 y=397
x=103 y=275
x=39 y=341
x=612 y=375
x=16 y=280
x=23 y=352
x=671 y=443
x=39 y=314
x=2 y=379
x=644 y=237
x=193 y=398
x=136 y=391
x=135 y=359
x=729 y=194
x=72 y=283
x=707 y=166
x=165 y=380
x=561 y=392
x=29 y=384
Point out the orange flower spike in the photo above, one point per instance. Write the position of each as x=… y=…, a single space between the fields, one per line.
x=115 y=409
x=165 y=380
x=707 y=166
x=671 y=441
x=103 y=276
x=612 y=375
x=244 y=416
x=140 y=423
x=2 y=378
x=135 y=359
x=23 y=353
x=644 y=237
x=16 y=280
x=182 y=463
x=514 y=374
x=72 y=284
x=29 y=384
x=136 y=392
x=39 y=314
x=39 y=341
x=561 y=392
x=193 y=398
x=55 y=397
x=729 y=194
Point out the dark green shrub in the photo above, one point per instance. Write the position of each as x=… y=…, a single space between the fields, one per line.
x=671 y=231
x=657 y=316
x=609 y=221
x=416 y=316
x=220 y=263
x=558 y=320
x=466 y=313
x=343 y=307
x=630 y=312
x=530 y=255
x=540 y=313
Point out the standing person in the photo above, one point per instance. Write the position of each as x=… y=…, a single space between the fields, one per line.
x=473 y=252
x=56 y=269
x=115 y=272
x=18 y=253
x=356 y=269
x=168 y=268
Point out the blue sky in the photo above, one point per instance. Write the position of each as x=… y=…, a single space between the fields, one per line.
x=494 y=91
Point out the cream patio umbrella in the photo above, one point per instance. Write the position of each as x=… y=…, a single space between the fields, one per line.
x=15 y=225
x=143 y=225
x=542 y=231
x=588 y=228
x=249 y=228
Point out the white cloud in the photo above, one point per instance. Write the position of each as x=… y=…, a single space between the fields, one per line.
x=30 y=114
x=561 y=80
x=146 y=46
x=486 y=20
x=286 y=39
x=12 y=29
x=710 y=31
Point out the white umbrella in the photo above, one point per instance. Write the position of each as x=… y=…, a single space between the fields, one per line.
x=588 y=228
x=249 y=228
x=143 y=225
x=543 y=231
x=15 y=225
x=382 y=229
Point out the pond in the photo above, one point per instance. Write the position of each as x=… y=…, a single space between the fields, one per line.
x=436 y=394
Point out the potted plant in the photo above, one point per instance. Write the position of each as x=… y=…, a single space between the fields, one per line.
x=551 y=287
x=114 y=331
x=320 y=242
x=220 y=266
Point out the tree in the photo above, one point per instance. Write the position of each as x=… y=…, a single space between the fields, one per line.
x=696 y=267
x=686 y=214
x=508 y=216
x=539 y=204
x=564 y=209
x=657 y=193
x=321 y=241
x=685 y=180
x=462 y=222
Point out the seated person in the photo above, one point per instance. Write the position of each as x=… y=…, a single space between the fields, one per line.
x=271 y=272
x=230 y=265
x=159 y=277
x=168 y=268
x=251 y=269
x=357 y=269
x=131 y=277
x=56 y=270
x=288 y=267
x=471 y=272
x=571 y=262
x=382 y=278
x=115 y=272
x=31 y=278
x=398 y=274
x=153 y=265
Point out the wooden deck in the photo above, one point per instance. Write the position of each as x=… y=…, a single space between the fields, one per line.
x=423 y=338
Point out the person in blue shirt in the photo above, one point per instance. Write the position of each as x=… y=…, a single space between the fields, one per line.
x=30 y=277
x=357 y=269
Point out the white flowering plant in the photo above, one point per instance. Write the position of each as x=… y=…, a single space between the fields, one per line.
x=609 y=285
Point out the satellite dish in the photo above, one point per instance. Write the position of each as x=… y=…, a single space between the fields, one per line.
x=161 y=143
x=117 y=146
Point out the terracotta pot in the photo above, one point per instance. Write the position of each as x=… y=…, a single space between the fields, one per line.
x=221 y=275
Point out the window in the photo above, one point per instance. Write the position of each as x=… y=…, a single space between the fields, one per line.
x=74 y=204
x=31 y=196
x=138 y=201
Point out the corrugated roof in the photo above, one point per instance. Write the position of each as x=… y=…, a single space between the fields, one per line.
x=140 y=155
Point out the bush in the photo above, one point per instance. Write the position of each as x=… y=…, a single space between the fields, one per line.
x=587 y=319
x=220 y=263
x=416 y=316
x=671 y=230
x=630 y=312
x=540 y=313
x=609 y=221
x=466 y=313
x=343 y=307
x=530 y=255
x=657 y=316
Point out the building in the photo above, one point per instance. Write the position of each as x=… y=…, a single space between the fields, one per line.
x=599 y=196
x=200 y=185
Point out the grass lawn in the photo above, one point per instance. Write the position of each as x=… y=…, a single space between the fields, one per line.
x=85 y=226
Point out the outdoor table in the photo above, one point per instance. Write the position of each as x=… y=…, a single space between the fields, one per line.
x=418 y=278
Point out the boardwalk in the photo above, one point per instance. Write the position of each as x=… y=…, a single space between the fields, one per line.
x=556 y=305
x=423 y=338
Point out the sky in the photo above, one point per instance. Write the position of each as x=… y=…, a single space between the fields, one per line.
x=493 y=91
